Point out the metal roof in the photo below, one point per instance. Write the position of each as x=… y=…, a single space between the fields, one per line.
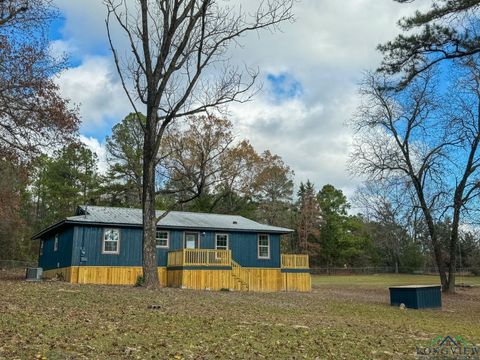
x=174 y=219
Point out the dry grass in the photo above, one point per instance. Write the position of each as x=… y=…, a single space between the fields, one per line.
x=345 y=317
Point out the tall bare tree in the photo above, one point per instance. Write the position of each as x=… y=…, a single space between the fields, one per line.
x=413 y=137
x=178 y=66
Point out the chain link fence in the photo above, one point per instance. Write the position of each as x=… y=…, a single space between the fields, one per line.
x=369 y=270
x=16 y=264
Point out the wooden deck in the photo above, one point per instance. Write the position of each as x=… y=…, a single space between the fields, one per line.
x=211 y=257
x=295 y=261
x=201 y=269
x=199 y=257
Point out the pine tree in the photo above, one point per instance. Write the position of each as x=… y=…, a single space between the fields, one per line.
x=334 y=207
x=65 y=181
x=448 y=30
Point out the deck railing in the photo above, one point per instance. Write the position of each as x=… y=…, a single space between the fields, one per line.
x=200 y=257
x=294 y=261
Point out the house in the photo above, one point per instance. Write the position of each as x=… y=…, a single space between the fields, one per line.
x=103 y=245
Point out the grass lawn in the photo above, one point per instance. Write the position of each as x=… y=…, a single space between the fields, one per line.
x=345 y=317
x=385 y=280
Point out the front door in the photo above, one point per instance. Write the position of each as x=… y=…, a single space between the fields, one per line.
x=191 y=240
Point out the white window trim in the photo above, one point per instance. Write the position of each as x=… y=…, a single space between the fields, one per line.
x=168 y=240
x=258 y=247
x=228 y=240
x=118 y=242
x=42 y=244
x=55 y=243
x=185 y=238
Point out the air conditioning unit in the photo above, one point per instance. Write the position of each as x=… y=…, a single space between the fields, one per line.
x=34 y=274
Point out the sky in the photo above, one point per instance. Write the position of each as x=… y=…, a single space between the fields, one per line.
x=309 y=75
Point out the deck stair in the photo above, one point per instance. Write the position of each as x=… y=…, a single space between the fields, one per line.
x=241 y=276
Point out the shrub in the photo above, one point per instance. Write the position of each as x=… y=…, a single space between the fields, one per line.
x=140 y=280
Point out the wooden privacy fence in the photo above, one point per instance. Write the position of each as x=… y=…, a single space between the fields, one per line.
x=200 y=257
x=294 y=261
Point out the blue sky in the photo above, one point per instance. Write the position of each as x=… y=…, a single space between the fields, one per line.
x=283 y=87
x=279 y=87
x=309 y=75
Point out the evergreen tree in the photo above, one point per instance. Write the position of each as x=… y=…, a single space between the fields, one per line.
x=344 y=239
x=65 y=181
x=333 y=205
x=123 y=181
x=447 y=30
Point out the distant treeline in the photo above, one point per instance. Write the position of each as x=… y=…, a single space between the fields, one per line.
x=230 y=177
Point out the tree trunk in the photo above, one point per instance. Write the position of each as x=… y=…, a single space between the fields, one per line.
x=149 y=216
x=452 y=266
x=139 y=186
x=438 y=258
x=437 y=249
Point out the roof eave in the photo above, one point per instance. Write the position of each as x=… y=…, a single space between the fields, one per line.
x=48 y=229
x=93 y=223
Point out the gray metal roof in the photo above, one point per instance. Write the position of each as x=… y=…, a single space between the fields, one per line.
x=174 y=219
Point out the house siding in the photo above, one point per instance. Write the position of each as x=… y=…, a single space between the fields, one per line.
x=63 y=256
x=89 y=238
x=244 y=248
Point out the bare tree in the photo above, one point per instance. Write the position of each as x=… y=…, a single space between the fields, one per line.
x=414 y=137
x=177 y=66
x=390 y=205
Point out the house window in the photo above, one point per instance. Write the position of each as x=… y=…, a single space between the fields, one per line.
x=192 y=240
x=263 y=247
x=41 y=247
x=111 y=241
x=162 y=238
x=55 y=243
x=221 y=241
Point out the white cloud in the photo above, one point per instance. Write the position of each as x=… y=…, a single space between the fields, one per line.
x=310 y=138
x=95 y=88
x=98 y=148
x=325 y=49
x=84 y=24
x=59 y=48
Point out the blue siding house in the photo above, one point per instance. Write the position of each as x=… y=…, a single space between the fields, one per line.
x=103 y=245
